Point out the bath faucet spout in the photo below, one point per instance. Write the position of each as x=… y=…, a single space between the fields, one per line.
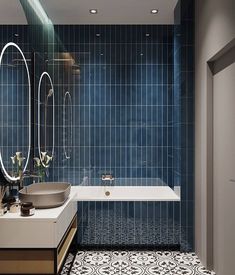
x=108 y=179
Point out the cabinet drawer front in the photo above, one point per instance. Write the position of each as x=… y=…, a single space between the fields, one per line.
x=30 y=234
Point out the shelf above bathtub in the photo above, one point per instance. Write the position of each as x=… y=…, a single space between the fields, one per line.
x=125 y=193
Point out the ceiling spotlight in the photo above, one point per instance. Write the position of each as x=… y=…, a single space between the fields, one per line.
x=16 y=34
x=98 y=34
x=93 y=11
x=147 y=34
x=154 y=11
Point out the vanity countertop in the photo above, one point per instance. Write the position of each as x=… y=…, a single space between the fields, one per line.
x=42 y=214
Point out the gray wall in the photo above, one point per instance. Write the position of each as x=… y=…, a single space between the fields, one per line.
x=215 y=28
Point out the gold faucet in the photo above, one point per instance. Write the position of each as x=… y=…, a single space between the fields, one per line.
x=23 y=175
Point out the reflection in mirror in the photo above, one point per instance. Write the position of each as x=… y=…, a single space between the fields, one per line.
x=67 y=125
x=46 y=116
x=15 y=111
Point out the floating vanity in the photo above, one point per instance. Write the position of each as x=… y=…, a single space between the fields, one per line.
x=37 y=244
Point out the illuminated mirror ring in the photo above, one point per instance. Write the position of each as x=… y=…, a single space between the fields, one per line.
x=11 y=44
x=45 y=74
x=67 y=97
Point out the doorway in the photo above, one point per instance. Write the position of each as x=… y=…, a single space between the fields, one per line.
x=223 y=160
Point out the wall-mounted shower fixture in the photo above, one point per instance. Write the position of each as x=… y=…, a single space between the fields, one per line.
x=67 y=125
x=107 y=177
x=107 y=180
x=65 y=60
x=6 y=173
x=17 y=62
x=50 y=93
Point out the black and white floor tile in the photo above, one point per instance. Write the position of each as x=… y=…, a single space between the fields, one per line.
x=134 y=263
x=128 y=231
x=67 y=265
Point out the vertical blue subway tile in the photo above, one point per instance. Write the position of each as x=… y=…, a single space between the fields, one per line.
x=130 y=117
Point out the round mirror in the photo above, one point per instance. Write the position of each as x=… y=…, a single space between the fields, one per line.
x=46 y=116
x=15 y=111
x=67 y=125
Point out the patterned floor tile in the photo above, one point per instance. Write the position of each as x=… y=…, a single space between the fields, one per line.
x=137 y=263
x=67 y=264
x=128 y=231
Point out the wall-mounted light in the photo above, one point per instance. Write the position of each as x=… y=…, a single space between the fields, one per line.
x=51 y=93
x=9 y=176
x=154 y=11
x=93 y=11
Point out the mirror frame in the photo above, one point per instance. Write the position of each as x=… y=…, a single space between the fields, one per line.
x=45 y=74
x=7 y=176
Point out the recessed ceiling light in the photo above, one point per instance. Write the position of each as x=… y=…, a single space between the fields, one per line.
x=16 y=34
x=98 y=34
x=147 y=34
x=93 y=11
x=154 y=11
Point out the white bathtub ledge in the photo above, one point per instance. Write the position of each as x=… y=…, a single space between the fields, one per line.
x=125 y=193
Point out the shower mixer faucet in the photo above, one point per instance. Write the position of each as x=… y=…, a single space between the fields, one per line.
x=108 y=178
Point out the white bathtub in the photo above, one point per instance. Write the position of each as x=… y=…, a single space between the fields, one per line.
x=125 y=193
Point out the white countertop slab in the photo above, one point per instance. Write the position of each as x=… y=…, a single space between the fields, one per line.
x=51 y=214
x=97 y=193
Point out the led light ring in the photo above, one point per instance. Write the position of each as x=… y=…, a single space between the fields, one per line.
x=11 y=44
x=67 y=95
x=39 y=120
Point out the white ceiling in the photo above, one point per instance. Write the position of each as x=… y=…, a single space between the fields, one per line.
x=109 y=11
x=11 y=13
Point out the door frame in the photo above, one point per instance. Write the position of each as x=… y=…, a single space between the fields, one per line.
x=222 y=59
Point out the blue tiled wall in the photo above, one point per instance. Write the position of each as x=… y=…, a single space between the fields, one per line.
x=133 y=112
x=127 y=121
x=186 y=81
x=123 y=100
